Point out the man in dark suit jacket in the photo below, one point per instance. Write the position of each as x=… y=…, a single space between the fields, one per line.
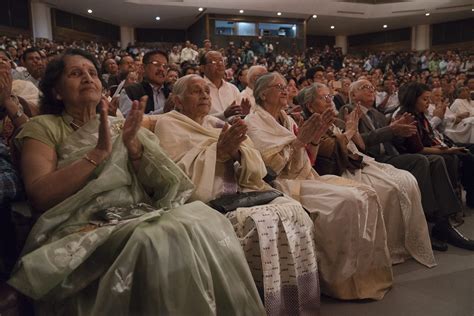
x=156 y=67
x=438 y=196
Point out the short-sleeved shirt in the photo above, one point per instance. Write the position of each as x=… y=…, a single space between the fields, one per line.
x=51 y=130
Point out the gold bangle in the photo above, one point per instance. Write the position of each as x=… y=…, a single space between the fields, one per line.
x=89 y=159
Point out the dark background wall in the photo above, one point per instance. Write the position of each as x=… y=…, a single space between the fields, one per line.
x=69 y=27
x=320 y=41
x=197 y=32
x=399 y=39
x=453 y=35
x=15 y=17
x=159 y=35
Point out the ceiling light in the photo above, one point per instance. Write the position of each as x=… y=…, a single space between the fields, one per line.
x=314 y=16
x=332 y=27
x=427 y=14
x=278 y=13
x=201 y=9
x=89 y=11
x=472 y=9
x=157 y=18
x=385 y=26
x=293 y=27
x=241 y=11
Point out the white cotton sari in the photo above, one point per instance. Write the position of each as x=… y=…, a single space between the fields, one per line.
x=354 y=260
x=277 y=238
x=399 y=195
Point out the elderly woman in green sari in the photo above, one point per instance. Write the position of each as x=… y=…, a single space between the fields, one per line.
x=114 y=235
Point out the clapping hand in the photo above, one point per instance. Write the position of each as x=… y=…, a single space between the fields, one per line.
x=245 y=106
x=5 y=82
x=352 y=121
x=103 y=149
x=233 y=109
x=405 y=126
x=131 y=126
x=230 y=139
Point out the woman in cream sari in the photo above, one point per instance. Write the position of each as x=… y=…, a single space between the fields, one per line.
x=278 y=237
x=407 y=231
x=114 y=236
x=354 y=261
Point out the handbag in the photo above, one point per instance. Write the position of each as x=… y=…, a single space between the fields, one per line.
x=230 y=202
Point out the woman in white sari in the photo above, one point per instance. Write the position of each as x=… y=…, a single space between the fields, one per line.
x=114 y=237
x=278 y=237
x=354 y=261
x=407 y=231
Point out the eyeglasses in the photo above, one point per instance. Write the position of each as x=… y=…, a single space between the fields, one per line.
x=367 y=87
x=327 y=97
x=280 y=87
x=159 y=65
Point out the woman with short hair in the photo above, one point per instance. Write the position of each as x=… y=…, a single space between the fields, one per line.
x=338 y=154
x=349 y=228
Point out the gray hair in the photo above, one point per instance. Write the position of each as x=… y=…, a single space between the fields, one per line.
x=252 y=74
x=308 y=96
x=262 y=84
x=355 y=86
x=181 y=85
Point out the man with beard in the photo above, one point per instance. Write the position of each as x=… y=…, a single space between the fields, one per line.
x=32 y=61
x=156 y=68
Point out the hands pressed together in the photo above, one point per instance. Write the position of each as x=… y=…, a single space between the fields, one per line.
x=315 y=127
x=230 y=139
x=130 y=129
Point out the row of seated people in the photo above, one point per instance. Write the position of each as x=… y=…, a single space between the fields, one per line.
x=122 y=222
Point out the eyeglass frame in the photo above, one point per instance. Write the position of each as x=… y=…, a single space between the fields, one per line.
x=159 y=65
x=279 y=86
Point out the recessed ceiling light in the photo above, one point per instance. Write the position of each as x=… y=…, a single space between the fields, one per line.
x=241 y=11
x=278 y=13
x=427 y=14
x=201 y=9
x=89 y=11
x=332 y=27
x=157 y=18
x=385 y=26
x=293 y=27
x=314 y=16
x=472 y=9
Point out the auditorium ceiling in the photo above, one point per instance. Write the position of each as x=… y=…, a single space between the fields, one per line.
x=347 y=16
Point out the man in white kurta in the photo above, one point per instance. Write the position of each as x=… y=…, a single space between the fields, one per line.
x=225 y=97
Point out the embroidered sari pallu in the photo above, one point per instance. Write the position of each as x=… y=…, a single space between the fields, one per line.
x=277 y=237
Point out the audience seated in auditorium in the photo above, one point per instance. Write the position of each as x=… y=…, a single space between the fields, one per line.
x=253 y=74
x=225 y=97
x=459 y=127
x=439 y=198
x=153 y=85
x=338 y=153
x=90 y=250
x=354 y=261
x=34 y=64
x=220 y=160
x=459 y=161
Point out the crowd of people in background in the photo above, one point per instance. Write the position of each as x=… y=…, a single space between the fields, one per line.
x=369 y=153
